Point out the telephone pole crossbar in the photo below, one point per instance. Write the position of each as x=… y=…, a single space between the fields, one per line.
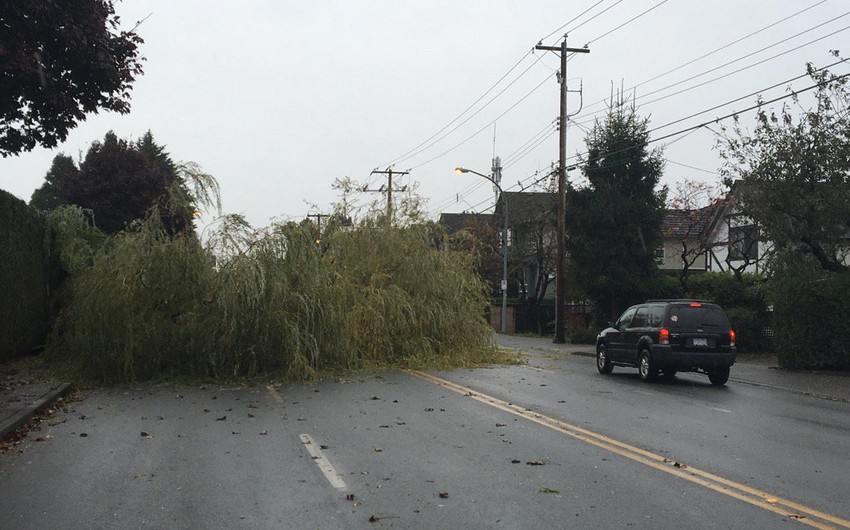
x=389 y=172
x=560 y=266
x=319 y=217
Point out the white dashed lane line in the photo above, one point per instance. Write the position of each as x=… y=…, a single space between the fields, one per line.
x=324 y=465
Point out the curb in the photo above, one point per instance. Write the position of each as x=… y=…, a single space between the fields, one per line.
x=762 y=384
x=787 y=389
x=37 y=406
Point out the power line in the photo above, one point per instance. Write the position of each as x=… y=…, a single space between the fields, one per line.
x=691 y=130
x=445 y=203
x=469 y=189
x=659 y=4
x=456 y=127
x=419 y=149
x=760 y=104
x=757 y=52
x=433 y=140
x=595 y=16
x=730 y=63
x=721 y=48
x=523 y=150
x=574 y=19
x=416 y=150
x=530 y=149
x=693 y=167
x=547 y=128
x=459 y=116
x=487 y=126
x=751 y=94
x=693 y=87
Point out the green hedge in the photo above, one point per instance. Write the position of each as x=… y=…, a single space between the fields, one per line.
x=812 y=312
x=26 y=266
x=745 y=302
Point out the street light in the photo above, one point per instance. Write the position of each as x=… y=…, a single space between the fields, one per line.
x=460 y=171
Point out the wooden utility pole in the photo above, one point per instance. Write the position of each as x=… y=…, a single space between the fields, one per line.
x=318 y=217
x=560 y=266
x=389 y=189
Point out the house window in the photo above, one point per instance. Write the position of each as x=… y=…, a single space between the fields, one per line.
x=743 y=243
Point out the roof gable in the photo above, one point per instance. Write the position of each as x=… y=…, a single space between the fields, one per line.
x=455 y=222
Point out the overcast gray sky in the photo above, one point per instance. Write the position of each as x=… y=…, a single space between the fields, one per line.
x=277 y=99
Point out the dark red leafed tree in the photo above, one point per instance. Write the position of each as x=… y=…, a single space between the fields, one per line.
x=58 y=62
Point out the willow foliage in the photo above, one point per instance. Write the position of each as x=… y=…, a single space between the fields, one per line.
x=406 y=299
x=142 y=303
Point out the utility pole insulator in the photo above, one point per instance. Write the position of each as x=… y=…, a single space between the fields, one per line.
x=389 y=172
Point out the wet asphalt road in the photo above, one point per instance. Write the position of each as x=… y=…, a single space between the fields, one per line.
x=403 y=452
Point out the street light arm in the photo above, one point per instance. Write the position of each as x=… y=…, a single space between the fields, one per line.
x=461 y=170
x=504 y=315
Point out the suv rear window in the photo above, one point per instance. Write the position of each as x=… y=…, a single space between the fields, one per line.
x=692 y=317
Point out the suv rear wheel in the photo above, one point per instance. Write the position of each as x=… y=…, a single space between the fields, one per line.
x=646 y=368
x=718 y=376
x=603 y=363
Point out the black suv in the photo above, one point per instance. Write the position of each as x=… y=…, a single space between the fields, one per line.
x=670 y=336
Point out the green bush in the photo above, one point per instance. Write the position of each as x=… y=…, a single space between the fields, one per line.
x=812 y=313
x=582 y=335
x=27 y=275
x=748 y=325
x=729 y=292
x=745 y=302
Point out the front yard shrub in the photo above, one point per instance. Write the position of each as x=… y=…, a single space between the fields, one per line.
x=812 y=312
x=745 y=302
x=582 y=334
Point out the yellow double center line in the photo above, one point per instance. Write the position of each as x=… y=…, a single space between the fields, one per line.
x=761 y=499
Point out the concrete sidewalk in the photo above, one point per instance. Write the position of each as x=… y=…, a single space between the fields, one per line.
x=25 y=390
x=757 y=370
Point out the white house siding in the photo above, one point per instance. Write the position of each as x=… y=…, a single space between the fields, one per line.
x=672 y=259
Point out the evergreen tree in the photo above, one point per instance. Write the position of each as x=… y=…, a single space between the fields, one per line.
x=614 y=223
x=51 y=195
x=119 y=182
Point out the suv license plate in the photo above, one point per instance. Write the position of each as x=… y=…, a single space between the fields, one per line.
x=701 y=342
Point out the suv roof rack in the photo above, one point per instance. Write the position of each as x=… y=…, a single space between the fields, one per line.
x=681 y=300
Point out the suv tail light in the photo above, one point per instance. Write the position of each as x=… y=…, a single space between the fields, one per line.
x=731 y=337
x=664 y=336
